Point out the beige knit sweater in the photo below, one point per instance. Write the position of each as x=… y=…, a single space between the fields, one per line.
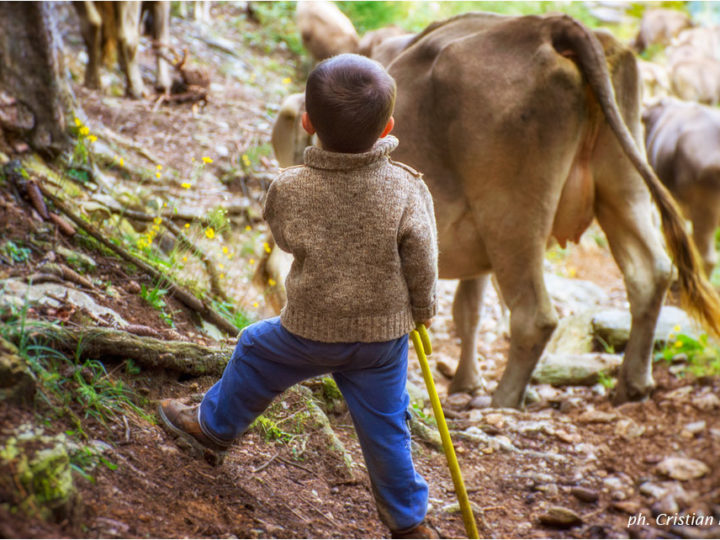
x=362 y=232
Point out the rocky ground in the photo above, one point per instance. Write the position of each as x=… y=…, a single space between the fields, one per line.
x=570 y=465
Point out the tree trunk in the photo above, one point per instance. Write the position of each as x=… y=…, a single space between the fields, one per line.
x=34 y=93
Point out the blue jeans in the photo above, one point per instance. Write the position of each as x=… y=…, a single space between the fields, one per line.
x=372 y=378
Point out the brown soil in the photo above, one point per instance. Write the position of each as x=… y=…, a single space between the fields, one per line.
x=270 y=488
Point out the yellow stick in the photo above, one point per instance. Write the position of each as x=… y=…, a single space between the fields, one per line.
x=421 y=341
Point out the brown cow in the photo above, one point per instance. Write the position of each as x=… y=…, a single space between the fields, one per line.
x=325 y=30
x=513 y=121
x=372 y=39
x=659 y=26
x=102 y=24
x=682 y=141
x=696 y=79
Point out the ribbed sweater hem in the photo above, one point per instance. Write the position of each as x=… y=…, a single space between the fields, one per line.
x=329 y=329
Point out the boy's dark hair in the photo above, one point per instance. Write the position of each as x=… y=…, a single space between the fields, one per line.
x=349 y=99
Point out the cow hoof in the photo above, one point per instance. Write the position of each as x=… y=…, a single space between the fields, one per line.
x=477 y=384
x=625 y=393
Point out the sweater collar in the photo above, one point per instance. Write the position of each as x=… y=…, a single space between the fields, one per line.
x=322 y=159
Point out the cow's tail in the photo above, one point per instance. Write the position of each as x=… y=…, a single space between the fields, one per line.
x=698 y=297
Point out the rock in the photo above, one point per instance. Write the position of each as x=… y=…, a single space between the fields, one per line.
x=597 y=417
x=558 y=516
x=35 y=473
x=585 y=494
x=454 y=508
x=628 y=507
x=653 y=491
x=573 y=335
x=79 y=261
x=574 y=295
x=574 y=369
x=458 y=401
x=133 y=287
x=446 y=365
x=480 y=402
x=17 y=383
x=666 y=505
x=16 y=293
x=707 y=401
x=628 y=429
x=693 y=428
x=613 y=326
x=679 y=468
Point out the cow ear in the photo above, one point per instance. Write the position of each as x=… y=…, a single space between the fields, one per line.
x=388 y=127
x=307 y=124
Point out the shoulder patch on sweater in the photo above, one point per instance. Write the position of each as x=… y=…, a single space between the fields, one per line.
x=408 y=168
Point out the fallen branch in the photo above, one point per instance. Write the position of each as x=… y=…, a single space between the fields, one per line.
x=107 y=343
x=187 y=298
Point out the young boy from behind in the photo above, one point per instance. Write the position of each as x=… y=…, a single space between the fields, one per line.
x=362 y=233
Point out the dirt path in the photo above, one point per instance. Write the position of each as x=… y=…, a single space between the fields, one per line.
x=570 y=449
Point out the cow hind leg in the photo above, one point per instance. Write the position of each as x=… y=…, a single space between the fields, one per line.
x=466 y=316
x=625 y=214
x=128 y=38
x=532 y=322
x=91 y=30
x=704 y=210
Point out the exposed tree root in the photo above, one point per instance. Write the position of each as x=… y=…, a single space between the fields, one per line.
x=187 y=298
x=106 y=343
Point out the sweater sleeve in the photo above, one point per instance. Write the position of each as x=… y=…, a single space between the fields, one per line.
x=417 y=242
x=272 y=213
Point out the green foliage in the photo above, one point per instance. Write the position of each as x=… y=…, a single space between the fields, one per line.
x=235 y=315
x=270 y=430
x=156 y=298
x=218 y=219
x=15 y=252
x=703 y=358
x=79 y=175
x=330 y=389
x=637 y=9
x=606 y=380
x=276 y=28
x=87 y=458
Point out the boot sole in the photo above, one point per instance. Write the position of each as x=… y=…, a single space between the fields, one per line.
x=192 y=441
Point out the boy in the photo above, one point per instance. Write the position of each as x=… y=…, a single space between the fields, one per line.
x=362 y=232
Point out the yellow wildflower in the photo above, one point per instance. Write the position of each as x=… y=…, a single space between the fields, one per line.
x=78 y=123
x=192 y=160
x=287 y=80
x=187 y=225
x=158 y=175
x=272 y=282
x=210 y=233
x=221 y=266
x=251 y=261
x=266 y=247
x=92 y=138
x=185 y=259
x=221 y=276
x=157 y=220
x=676 y=328
x=159 y=167
x=255 y=304
x=246 y=160
x=84 y=131
x=207 y=159
x=121 y=161
x=186 y=185
x=248 y=228
x=678 y=344
x=225 y=250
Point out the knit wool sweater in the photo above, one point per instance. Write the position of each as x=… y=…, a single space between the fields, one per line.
x=362 y=232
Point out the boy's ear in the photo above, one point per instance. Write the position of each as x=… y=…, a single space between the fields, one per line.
x=307 y=124
x=388 y=127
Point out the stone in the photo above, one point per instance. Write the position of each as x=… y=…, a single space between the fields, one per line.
x=558 y=516
x=454 y=508
x=480 y=402
x=446 y=365
x=574 y=369
x=679 y=468
x=628 y=429
x=574 y=295
x=16 y=293
x=613 y=326
x=653 y=491
x=693 y=428
x=17 y=383
x=707 y=401
x=667 y=504
x=573 y=335
x=79 y=261
x=627 y=507
x=585 y=494
x=458 y=401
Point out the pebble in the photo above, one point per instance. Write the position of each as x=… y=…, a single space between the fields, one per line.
x=666 y=505
x=693 y=428
x=585 y=494
x=628 y=507
x=596 y=417
x=679 y=468
x=458 y=401
x=132 y=287
x=628 y=429
x=480 y=402
x=652 y=490
x=558 y=516
x=706 y=402
x=446 y=366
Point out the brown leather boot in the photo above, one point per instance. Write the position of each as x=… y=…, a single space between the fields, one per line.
x=182 y=422
x=423 y=530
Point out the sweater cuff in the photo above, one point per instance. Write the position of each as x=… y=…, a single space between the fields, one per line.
x=422 y=314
